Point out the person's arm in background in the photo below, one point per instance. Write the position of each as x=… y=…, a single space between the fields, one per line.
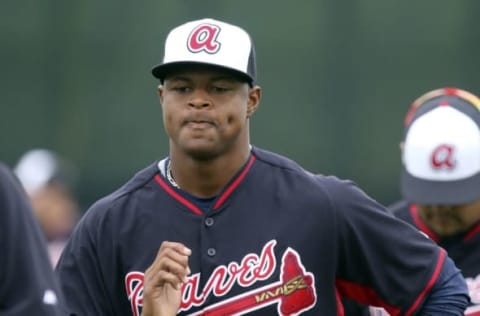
x=447 y=297
x=27 y=283
x=386 y=262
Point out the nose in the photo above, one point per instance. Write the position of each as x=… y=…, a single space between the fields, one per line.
x=200 y=99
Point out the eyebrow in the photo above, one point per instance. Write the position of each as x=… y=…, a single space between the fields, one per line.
x=224 y=77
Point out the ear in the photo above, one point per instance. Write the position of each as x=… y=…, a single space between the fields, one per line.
x=160 y=90
x=254 y=97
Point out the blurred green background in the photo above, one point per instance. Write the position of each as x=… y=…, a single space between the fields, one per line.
x=338 y=78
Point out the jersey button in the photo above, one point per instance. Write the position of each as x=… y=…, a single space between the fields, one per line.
x=209 y=221
x=211 y=252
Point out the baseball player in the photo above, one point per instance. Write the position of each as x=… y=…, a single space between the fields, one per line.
x=28 y=285
x=222 y=227
x=441 y=178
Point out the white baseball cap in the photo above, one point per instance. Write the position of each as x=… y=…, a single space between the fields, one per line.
x=441 y=151
x=211 y=42
x=39 y=167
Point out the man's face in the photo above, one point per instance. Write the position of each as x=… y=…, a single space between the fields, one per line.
x=206 y=110
x=55 y=209
x=448 y=220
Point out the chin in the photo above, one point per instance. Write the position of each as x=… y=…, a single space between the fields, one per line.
x=447 y=231
x=201 y=152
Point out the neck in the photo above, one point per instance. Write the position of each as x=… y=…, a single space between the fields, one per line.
x=206 y=178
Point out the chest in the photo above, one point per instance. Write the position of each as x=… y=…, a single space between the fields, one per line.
x=249 y=253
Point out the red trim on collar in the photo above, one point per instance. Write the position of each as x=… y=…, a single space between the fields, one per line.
x=221 y=199
x=234 y=184
x=472 y=232
x=177 y=196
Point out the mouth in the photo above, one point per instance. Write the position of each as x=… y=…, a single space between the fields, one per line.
x=199 y=122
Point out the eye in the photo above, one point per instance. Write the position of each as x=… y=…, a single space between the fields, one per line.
x=220 y=89
x=181 y=89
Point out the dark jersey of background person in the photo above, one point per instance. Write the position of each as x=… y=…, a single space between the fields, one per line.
x=463 y=248
x=316 y=236
x=28 y=285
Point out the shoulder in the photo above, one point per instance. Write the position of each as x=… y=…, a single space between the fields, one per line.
x=275 y=160
x=399 y=208
x=330 y=186
x=7 y=177
x=117 y=198
x=4 y=170
x=270 y=162
x=13 y=197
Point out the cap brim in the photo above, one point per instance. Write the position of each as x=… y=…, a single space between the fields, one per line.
x=162 y=70
x=422 y=191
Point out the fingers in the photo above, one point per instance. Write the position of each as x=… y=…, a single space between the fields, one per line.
x=170 y=265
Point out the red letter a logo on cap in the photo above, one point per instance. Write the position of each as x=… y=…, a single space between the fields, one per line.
x=204 y=38
x=443 y=157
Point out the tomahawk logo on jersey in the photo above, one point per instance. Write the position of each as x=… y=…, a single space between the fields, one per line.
x=293 y=292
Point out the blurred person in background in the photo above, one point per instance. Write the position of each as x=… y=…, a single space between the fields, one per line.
x=28 y=285
x=440 y=180
x=49 y=180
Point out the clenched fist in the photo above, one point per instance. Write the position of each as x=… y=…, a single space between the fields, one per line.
x=164 y=278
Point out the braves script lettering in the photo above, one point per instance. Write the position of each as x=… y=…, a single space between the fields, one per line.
x=252 y=268
x=134 y=287
x=294 y=292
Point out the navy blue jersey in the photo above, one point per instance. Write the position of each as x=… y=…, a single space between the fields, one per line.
x=464 y=249
x=276 y=240
x=27 y=283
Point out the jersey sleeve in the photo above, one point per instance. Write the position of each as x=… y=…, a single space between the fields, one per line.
x=80 y=271
x=27 y=282
x=382 y=261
